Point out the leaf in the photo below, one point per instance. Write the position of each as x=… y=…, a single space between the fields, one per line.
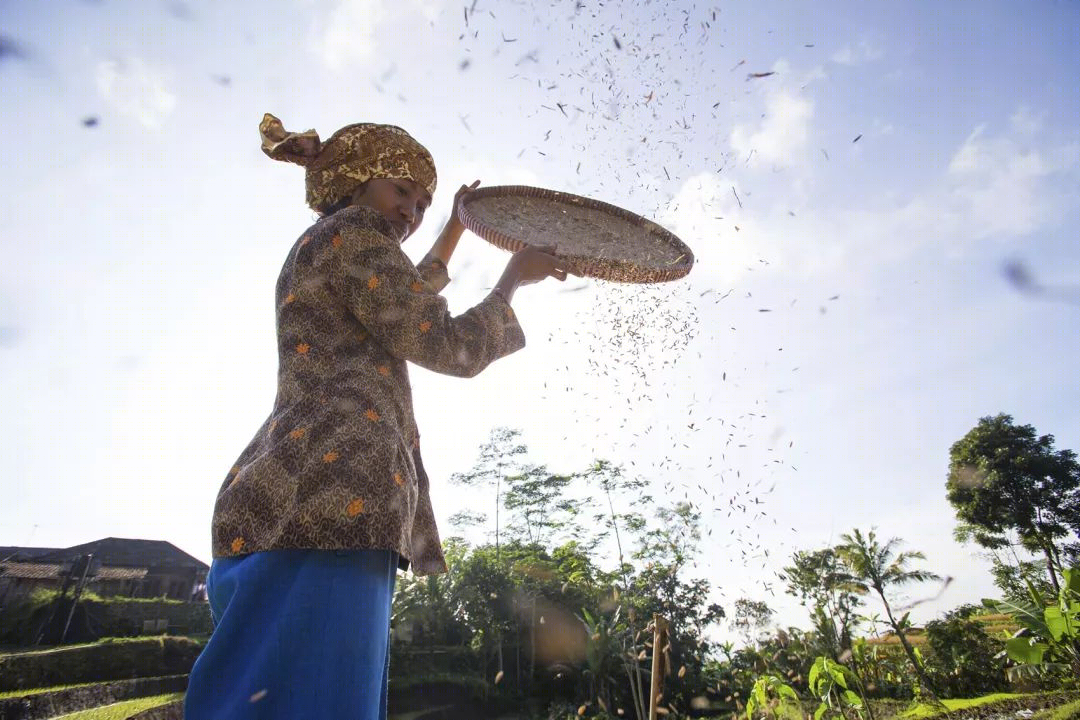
x=820 y=712
x=815 y=671
x=852 y=699
x=1071 y=578
x=1022 y=650
x=751 y=705
x=837 y=675
x=1056 y=622
x=788 y=692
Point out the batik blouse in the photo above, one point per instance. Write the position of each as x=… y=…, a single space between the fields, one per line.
x=337 y=463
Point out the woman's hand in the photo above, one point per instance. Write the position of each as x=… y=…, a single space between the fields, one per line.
x=528 y=266
x=447 y=241
x=465 y=190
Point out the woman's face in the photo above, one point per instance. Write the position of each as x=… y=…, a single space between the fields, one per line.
x=400 y=201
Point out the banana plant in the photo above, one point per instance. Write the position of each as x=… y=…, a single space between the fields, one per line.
x=602 y=649
x=1050 y=639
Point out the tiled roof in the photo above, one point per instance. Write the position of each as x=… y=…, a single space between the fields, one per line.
x=53 y=571
x=32 y=571
x=118 y=573
x=126 y=552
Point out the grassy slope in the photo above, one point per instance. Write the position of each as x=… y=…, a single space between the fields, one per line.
x=995 y=625
x=923 y=710
x=37 y=691
x=53 y=688
x=1068 y=711
x=122 y=710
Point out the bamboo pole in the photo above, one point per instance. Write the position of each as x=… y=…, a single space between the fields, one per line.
x=660 y=628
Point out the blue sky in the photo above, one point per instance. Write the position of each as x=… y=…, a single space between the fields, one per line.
x=137 y=351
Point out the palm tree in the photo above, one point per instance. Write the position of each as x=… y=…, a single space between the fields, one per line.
x=879 y=566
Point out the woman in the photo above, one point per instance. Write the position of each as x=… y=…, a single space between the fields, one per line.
x=330 y=498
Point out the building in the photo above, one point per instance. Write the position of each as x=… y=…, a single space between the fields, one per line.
x=117 y=567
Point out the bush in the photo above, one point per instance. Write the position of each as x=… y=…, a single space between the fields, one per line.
x=96 y=617
x=963 y=660
x=117 y=659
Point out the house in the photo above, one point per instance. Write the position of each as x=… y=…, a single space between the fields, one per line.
x=113 y=567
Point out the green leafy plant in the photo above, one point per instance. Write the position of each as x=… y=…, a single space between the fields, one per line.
x=771 y=698
x=1051 y=637
x=829 y=683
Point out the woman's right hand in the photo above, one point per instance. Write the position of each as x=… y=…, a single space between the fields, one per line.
x=528 y=266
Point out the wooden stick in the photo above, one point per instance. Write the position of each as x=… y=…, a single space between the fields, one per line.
x=659 y=640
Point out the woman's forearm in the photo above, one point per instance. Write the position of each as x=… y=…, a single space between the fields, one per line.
x=447 y=242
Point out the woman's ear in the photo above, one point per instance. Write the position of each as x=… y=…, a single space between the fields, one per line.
x=359 y=191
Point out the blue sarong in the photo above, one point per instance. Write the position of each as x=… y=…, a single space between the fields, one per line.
x=298 y=634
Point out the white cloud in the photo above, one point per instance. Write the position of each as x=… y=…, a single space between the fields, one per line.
x=1000 y=185
x=862 y=52
x=1025 y=121
x=996 y=189
x=782 y=132
x=137 y=89
x=347 y=32
x=350 y=30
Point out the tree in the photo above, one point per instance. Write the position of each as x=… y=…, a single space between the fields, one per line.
x=662 y=588
x=752 y=619
x=880 y=567
x=498 y=457
x=611 y=480
x=1004 y=480
x=535 y=499
x=818 y=578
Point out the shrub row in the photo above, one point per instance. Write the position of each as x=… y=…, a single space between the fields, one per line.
x=117 y=659
x=59 y=702
x=22 y=621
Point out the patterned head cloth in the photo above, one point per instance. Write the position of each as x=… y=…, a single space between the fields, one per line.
x=352 y=156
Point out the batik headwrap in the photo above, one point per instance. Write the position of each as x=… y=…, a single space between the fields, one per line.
x=350 y=157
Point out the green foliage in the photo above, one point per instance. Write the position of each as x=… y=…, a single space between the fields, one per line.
x=535 y=498
x=820 y=581
x=772 y=698
x=880 y=566
x=22 y=621
x=126 y=709
x=831 y=683
x=1013 y=578
x=1003 y=478
x=751 y=618
x=885 y=670
x=964 y=660
x=115 y=659
x=1051 y=641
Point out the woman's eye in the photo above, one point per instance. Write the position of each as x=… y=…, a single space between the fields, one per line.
x=401 y=190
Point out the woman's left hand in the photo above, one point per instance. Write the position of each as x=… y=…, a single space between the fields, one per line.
x=458 y=196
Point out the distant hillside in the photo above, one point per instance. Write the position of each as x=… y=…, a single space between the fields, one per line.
x=995 y=625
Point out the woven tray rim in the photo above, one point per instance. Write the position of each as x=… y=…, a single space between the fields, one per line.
x=613 y=269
